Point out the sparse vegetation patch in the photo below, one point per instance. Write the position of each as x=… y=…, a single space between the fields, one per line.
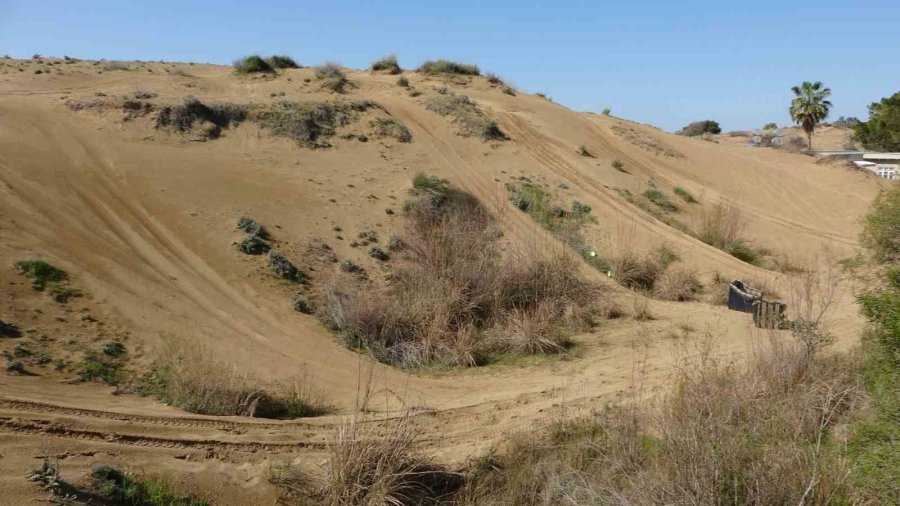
x=452 y=298
x=470 y=120
x=438 y=67
x=389 y=127
x=282 y=62
x=121 y=488
x=195 y=116
x=309 y=124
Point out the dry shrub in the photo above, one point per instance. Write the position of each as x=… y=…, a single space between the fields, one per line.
x=367 y=468
x=468 y=117
x=452 y=296
x=727 y=434
x=678 y=284
x=722 y=226
x=186 y=375
x=633 y=270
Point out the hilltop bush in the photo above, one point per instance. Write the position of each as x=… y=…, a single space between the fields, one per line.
x=387 y=64
x=438 y=67
x=700 y=127
x=282 y=62
x=252 y=64
x=331 y=77
x=453 y=299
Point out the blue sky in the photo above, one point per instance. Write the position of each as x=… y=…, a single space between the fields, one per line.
x=661 y=62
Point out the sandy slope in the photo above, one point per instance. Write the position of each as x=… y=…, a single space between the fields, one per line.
x=144 y=222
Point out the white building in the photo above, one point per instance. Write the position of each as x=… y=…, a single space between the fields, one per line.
x=886 y=165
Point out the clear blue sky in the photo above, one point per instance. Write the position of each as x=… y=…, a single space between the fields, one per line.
x=661 y=62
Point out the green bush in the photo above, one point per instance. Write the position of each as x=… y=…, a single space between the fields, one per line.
x=120 y=488
x=403 y=82
x=700 y=128
x=251 y=65
x=882 y=131
x=387 y=64
x=438 y=67
x=881 y=232
x=42 y=274
x=95 y=367
x=619 y=166
x=282 y=62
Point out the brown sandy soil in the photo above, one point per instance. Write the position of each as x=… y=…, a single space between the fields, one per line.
x=144 y=223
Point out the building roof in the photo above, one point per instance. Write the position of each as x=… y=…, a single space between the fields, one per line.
x=881 y=156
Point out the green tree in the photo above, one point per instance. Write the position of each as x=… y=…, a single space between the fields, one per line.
x=882 y=131
x=810 y=106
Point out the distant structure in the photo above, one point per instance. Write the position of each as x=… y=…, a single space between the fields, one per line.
x=884 y=165
x=778 y=139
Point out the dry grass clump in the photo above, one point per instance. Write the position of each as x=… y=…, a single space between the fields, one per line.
x=389 y=127
x=470 y=120
x=452 y=298
x=187 y=376
x=367 y=467
x=331 y=77
x=438 y=67
x=678 y=284
x=760 y=434
x=307 y=123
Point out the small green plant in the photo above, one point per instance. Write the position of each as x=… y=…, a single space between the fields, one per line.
x=120 y=488
x=96 y=367
x=660 y=199
x=47 y=475
x=509 y=91
x=387 y=64
x=15 y=366
x=403 y=82
x=685 y=195
x=438 y=67
x=114 y=349
x=42 y=274
x=282 y=62
x=583 y=151
x=606 y=112
x=252 y=64
x=619 y=166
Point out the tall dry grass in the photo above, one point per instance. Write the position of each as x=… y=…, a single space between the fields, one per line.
x=187 y=376
x=755 y=434
x=454 y=298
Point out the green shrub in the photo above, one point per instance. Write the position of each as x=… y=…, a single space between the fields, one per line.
x=387 y=64
x=881 y=232
x=403 y=82
x=95 y=367
x=509 y=91
x=685 y=195
x=331 y=77
x=41 y=273
x=619 y=166
x=282 y=62
x=114 y=349
x=120 y=488
x=437 y=67
x=700 y=128
x=583 y=151
x=251 y=65
x=660 y=199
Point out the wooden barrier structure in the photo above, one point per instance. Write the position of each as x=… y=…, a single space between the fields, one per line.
x=768 y=314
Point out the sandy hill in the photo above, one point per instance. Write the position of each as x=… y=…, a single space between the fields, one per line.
x=142 y=216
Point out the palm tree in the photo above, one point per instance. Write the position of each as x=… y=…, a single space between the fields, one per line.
x=810 y=106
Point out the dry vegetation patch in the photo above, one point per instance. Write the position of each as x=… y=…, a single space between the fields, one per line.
x=453 y=298
x=645 y=141
x=470 y=120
